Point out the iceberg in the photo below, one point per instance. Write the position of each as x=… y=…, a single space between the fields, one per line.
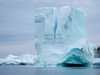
x=60 y=36
x=26 y=59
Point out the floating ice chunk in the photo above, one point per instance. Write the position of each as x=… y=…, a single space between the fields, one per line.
x=19 y=60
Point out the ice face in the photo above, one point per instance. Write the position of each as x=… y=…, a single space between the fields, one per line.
x=60 y=33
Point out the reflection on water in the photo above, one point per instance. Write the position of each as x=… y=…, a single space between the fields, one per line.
x=29 y=70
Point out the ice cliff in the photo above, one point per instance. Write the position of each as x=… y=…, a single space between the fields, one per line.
x=60 y=36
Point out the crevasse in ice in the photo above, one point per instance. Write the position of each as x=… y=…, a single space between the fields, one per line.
x=60 y=36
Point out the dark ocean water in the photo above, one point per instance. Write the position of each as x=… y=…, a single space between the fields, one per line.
x=30 y=70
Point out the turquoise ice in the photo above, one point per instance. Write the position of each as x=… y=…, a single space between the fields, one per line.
x=61 y=33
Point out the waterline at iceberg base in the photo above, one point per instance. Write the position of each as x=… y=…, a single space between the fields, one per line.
x=60 y=39
x=32 y=60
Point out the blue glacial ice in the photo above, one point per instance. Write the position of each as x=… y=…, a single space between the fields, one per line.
x=60 y=36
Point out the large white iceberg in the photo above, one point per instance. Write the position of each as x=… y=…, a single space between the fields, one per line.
x=60 y=36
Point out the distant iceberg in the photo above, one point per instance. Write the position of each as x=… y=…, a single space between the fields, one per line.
x=26 y=59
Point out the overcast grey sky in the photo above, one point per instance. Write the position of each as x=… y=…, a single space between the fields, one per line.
x=17 y=22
